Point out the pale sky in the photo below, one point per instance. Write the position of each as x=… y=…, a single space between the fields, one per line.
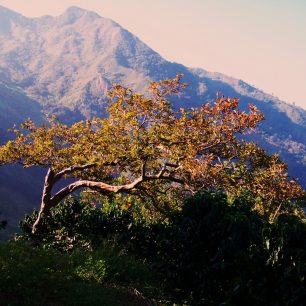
x=262 y=42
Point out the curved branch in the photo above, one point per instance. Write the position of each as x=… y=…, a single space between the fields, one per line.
x=100 y=186
x=71 y=169
x=60 y=195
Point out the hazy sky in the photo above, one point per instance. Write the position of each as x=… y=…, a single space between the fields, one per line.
x=262 y=42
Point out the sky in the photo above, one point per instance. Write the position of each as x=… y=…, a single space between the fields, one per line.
x=262 y=42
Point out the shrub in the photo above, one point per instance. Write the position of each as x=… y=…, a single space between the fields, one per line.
x=74 y=223
x=213 y=252
x=34 y=275
x=286 y=243
x=210 y=252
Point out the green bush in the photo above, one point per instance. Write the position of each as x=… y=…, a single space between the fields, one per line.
x=73 y=223
x=92 y=270
x=286 y=243
x=32 y=275
x=212 y=252
x=216 y=253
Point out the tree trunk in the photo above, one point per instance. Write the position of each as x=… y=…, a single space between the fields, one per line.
x=45 y=200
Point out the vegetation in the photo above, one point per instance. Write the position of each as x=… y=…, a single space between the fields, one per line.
x=176 y=209
x=212 y=252
x=74 y=223
x=41 y=276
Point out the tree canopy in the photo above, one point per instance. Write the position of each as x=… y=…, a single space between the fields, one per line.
x=147 y=148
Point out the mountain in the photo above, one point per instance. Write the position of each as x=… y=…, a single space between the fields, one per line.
x=16 y=184
x=64 y=65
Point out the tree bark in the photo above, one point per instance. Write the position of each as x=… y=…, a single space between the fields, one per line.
x=45 y=199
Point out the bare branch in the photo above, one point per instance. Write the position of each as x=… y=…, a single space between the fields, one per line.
x=207 y=147
x=71 y=169
x=161 y=172
x=100 y=186
x=60 y=195
x=276 y=212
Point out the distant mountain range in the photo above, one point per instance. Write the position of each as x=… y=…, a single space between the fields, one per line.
x=64 y=65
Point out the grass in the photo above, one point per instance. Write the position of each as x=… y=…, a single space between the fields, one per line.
x=36 y=276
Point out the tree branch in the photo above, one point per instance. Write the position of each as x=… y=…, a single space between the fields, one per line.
x=49 y=202
x=204 y=148
x=71 y=169
x=60 y=195
x=276 y=212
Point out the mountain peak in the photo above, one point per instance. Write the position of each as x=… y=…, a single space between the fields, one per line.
x=75 y=10
x=74 y=13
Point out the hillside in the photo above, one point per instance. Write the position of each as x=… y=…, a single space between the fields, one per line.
x=64 y=65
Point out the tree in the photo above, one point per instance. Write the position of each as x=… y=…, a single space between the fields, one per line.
x=146 y=148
